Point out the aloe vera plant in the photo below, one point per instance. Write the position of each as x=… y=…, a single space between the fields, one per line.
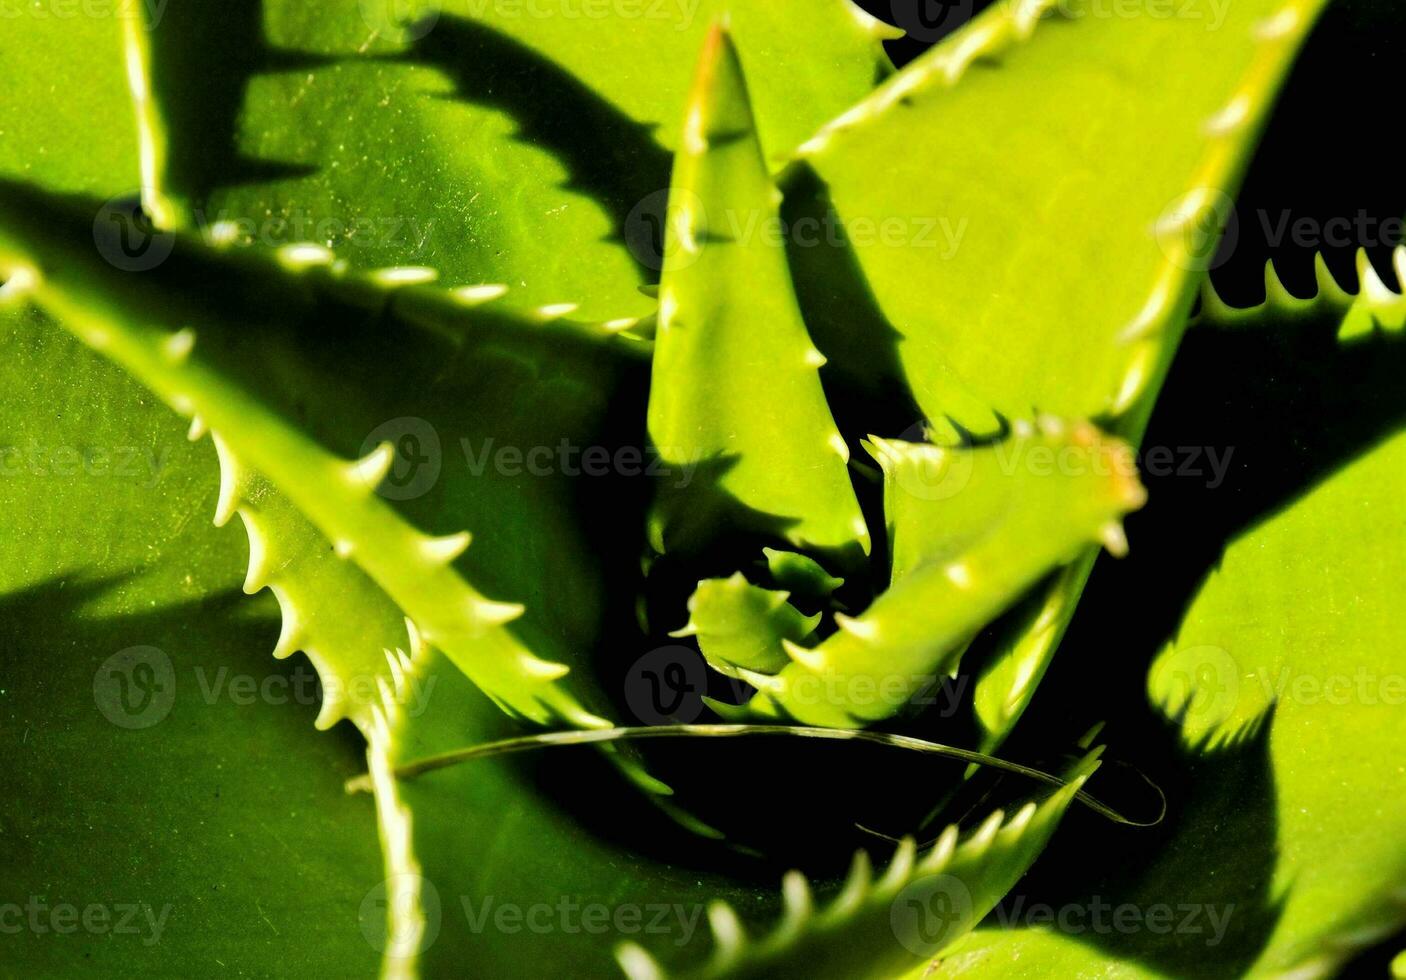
x=675 y=442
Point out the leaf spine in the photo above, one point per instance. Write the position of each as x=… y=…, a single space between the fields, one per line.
x=491 y=613
x=542 y=669
x=177 y=347
x=474 y=295
x=368 y=472
x=637 y=963
x=1114 y=538
x=405 y=275
x=862 y=629
x=812 y=660
x=445 y=550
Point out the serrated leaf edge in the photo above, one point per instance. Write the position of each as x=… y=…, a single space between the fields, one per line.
x=860 y=891
x=1375 y=305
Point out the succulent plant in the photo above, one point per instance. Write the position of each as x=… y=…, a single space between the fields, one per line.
x=679 y=441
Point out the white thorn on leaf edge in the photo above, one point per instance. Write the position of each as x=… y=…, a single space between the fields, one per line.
x=257 y=575
x=442 y=551
x=371 y=469
x=727 y=933
x=405 y=275
x=290 y=634
x=177 y=347
x=496 y=613
x=637 y=963
x=554 y=311
x=858 y=628
x=900 y=867
x=228 y=501
x=1229 y=119
x=22 y=280
x=795 y=894
x=473 y=295
x=1276 y=25
x=959 y=575
x=543 y=669
x=1114 y=538
x=812 y=660
x=300 y=255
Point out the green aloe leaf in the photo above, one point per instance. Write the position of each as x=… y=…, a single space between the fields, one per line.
x=942 y=503
x=331 y=610
x=1002 y=331
x=960 y=558
x=1283 y=660
x=1022 y=644
x=998 y=331
x=467 y=841
x=800 y=573
x=65 y=136
x=156 y=748
x=538 y=159
x=148 y=321
x=410 y=266
x=736 y=390
x=739 y=624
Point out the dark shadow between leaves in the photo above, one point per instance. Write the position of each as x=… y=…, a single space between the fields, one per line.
x=31 y=618
x=342 y=364
x=1188 y=898
x=863 y=376
x=157 y=753
x=203 y=57
x=708 y=523
x=1250 y=419
x=1285 y=405
x=608 y=156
